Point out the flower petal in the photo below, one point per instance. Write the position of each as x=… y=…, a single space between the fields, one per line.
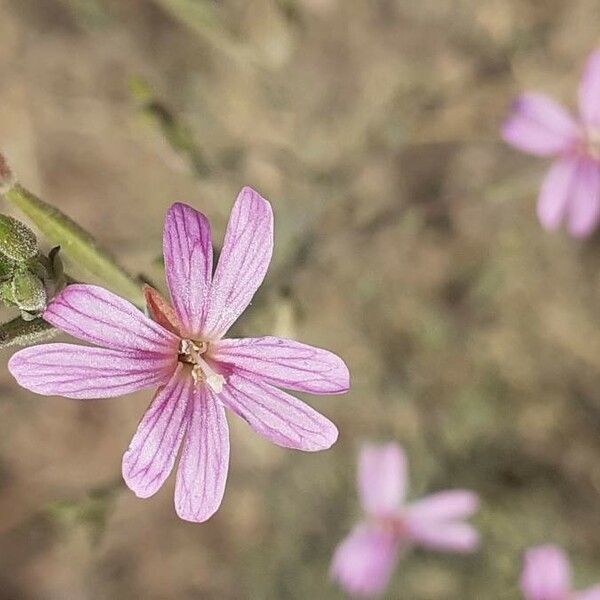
x=363 y=563
x=285 y=363
x=538 y=125
x=153 y=449
x=277 y=416
x=592 y=593
x=204 y=462
x=584 y=205
x=85 y=372
x=546 y=574
x=187 y=247
x=93 y=314
x=243 y=263
x=444 y=506
x=555 y=194
x=589 y=91
x=382 y=478
x=445 y=537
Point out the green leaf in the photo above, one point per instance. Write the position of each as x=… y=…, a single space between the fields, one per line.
x=76 y=243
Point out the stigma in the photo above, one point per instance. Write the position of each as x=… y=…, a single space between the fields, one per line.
x=191 y=352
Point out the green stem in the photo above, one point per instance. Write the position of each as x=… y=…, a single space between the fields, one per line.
x=76 y=243
x=25 y=333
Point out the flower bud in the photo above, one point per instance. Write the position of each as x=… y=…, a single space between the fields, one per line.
x=7 y=268
x=17 y=242
x=29 y=292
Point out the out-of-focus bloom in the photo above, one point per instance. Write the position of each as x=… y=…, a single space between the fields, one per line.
x=538 y=125
x=363 y=563
x=547 y=576
x=182 y=352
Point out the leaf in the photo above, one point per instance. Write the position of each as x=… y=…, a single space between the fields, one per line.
x=76 y=243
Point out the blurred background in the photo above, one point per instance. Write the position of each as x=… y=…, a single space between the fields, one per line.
x=406 y=241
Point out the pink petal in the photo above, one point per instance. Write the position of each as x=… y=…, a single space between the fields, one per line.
x=153 y=449
x=187 y=247
x=277 y=416
x=592 y=593
x=445 y=537
x=243 y=263
x=555 y=193
x=382 y=478
x=546 y=574
x=202 y=471
x=539 y=126
x=363 y=563
x=589 y=91
x=444 y=506
x=584 y=204
x=285 y=363
x=85 y=372
x=93 y=314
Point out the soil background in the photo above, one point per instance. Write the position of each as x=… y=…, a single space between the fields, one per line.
x=406 y=241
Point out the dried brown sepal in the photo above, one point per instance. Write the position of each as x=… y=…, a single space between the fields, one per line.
x=160 y=310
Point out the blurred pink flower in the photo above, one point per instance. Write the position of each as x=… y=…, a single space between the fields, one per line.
x=547 y=576
x=182 y=352
x=364 y=561
x=540 y=126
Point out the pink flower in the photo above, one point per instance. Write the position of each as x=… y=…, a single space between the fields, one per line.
x=364 y=561
x=547 y=576
x=571 y=189
x=182 y=353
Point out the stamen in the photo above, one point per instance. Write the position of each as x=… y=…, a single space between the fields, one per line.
x=214 y=380
x=191 y=352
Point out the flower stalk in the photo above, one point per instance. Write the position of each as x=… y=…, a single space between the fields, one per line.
x=19 y=332
x=76 y=243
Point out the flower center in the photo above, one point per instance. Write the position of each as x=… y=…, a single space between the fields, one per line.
x=190 y=352
x=395 y=525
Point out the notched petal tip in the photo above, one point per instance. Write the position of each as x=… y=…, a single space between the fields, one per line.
x=84 y=372
x=195 y=516
x=204 y=463
x=243 y=263
x=330 y=434
x=363 y=562
x=342 y=378
x=286 y=364
x=278 y=416
x=249 y=193
x=546 y=573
